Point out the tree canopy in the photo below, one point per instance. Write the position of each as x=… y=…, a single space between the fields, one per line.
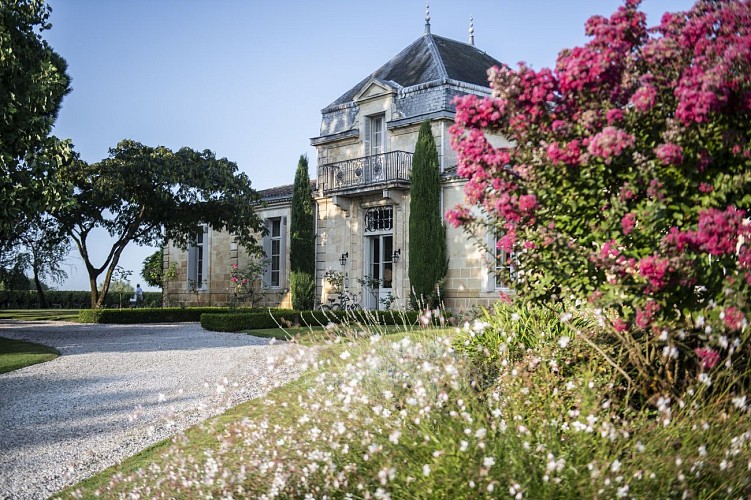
x=427 y=258
x=146 y=195
x=33 y=82
x=43 y=248
x=629 y=183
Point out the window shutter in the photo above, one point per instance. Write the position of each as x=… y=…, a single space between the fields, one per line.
x=366 y=135
x=267 y=253
x=191 y=262
x=283 y=279
x=490 y=246
x=384 y=142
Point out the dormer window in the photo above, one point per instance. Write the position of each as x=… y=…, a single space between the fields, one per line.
x=375 y=132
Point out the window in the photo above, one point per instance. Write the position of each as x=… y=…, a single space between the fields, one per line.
x=274 y=246
x=198 y=262
x=379 y=219
x=502 y=266
x=375 y=134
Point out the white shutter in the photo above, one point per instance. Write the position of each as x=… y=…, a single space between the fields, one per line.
x=366 y=135
x=284 y=255
x=267 y=253
x=490 y=272
x=191 y=262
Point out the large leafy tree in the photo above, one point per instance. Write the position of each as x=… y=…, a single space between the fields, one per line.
x=302 y=240
x=428 y=262
x=629 y=184
x=146 y=195
x=43 y=250
x=33 y=82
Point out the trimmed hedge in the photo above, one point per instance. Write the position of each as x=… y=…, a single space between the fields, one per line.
x=235 y=322
x=238 y=321
x=149 y=315
x=68 y=299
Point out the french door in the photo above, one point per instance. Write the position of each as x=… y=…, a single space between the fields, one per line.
x=379 y=272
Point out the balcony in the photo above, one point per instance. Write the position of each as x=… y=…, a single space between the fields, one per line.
x=369 y=173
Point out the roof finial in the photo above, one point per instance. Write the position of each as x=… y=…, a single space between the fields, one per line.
x=427 y=17
x=472 y=31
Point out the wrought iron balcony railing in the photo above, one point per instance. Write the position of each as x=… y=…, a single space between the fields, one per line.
x=367 y=172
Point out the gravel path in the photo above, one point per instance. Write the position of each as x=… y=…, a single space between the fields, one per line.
x=117 y=389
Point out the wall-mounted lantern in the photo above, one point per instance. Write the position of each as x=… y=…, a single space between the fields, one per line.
x=396 y=256
x=343 y=258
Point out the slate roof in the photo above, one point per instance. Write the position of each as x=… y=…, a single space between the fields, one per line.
x=281 y=193
x=427 y=59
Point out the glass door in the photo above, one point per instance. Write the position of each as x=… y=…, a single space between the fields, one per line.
x=379 y=272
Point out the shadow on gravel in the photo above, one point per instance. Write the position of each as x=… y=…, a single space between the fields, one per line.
x=83 y=339
x=55 y=408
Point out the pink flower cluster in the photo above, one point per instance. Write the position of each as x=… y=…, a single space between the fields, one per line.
x=567 y=153
x=644 y=98
x=645 y=315
x=734 y=319
x=707 y=357
x=628 y=222
x=609 y=143
x=669 y=154
x=655 y=269
x=718 y=230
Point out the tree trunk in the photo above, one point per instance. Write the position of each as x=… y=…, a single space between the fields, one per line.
x=94 y=292
x=41 y=297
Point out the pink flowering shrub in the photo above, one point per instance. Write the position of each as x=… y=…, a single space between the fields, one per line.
x=246 y=283
x=628 y=186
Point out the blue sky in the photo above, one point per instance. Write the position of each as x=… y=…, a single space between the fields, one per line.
x=247 y=79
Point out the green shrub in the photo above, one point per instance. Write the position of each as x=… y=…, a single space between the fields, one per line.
x=303 y=288
x=146 y=315
x=259 y=319
x=235 y=322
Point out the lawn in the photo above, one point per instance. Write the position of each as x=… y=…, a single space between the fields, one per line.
x=40 y=314
x=311 y=335
x=15 y=354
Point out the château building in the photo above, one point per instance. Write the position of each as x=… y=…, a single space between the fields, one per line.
x=362 y=192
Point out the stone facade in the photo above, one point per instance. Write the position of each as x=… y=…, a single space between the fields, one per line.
x=216 y=288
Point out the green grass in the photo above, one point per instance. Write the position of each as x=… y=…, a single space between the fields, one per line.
x=40 y=314
x=310 y=335
x=15 y=354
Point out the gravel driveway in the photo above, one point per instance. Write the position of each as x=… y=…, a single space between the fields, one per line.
x=117 y=389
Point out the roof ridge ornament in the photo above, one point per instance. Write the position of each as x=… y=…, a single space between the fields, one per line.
x=427 y=17
x=472 y=31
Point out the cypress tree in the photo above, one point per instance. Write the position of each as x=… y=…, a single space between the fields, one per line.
x=302 y=240
x=428 y=262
